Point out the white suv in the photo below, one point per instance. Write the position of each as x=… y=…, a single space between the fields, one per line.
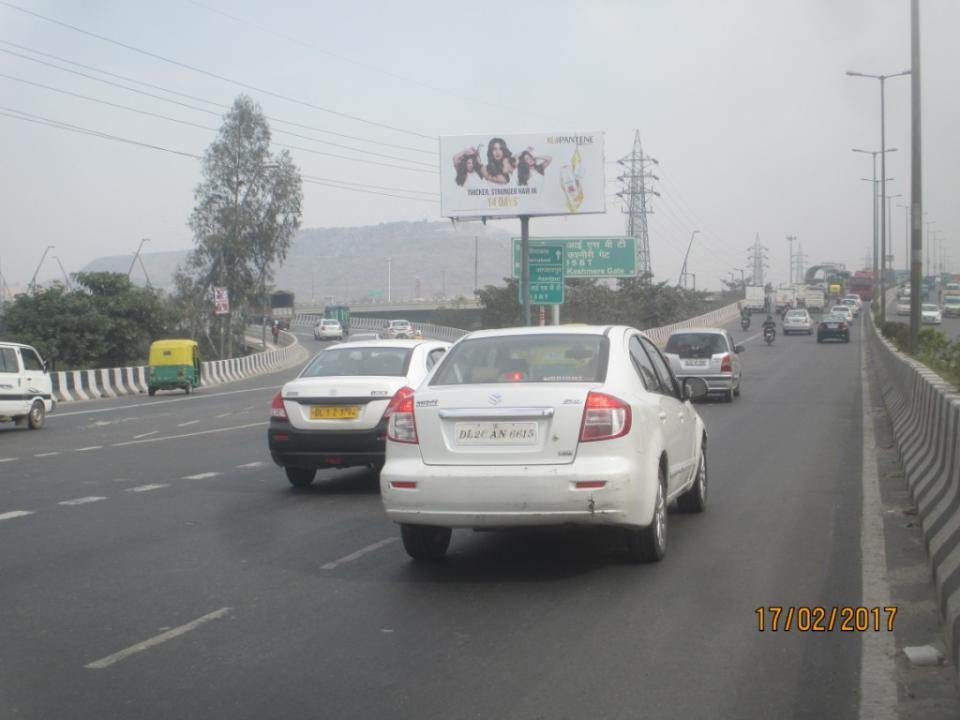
x=26 y=393
x=560 y=425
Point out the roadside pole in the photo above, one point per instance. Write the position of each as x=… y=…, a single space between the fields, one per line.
x=916 y=179
x=525 y=267
x=555 y=320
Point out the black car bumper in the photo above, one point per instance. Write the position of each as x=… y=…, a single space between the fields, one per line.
x=290 y=447
x=837 y=334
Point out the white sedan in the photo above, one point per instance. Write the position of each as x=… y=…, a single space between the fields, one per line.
x=798 y=321
x=545 y=426
x=844 y=310
x=930 y=314
x=903 y=305
x=328 y=329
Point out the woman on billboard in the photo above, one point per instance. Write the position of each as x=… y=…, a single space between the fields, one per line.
x=468 y=167
x=530 y=171
x=500 y=162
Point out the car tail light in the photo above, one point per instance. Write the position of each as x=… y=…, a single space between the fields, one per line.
x=401 y=423
x=726 y=365
x=843 y=326
x=604 y=418
x=277 y=410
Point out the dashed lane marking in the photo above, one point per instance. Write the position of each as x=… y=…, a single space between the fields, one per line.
x=187 y=435
x=189 y=422
x=15 y=514
x=156 y=640
x=47 y=454
x=147 y=488
x=359 y=553
x=3 y=460
x=83 y=500
x=222 y=415
x=147 y=434
x=246 y=466
x=92 y=447
x=201 y=476
x=191 y=398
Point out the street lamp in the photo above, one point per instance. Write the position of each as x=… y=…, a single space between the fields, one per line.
x=889 y=230
x=33 y=280
x=876 y=243
x=883 y=169
x=683 y=269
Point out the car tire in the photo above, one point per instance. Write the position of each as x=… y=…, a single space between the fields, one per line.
x=187 y=389
x=300 y=477
x=694 y=500
x=151 y=392
x=37 y=415
x=425 y=543
x=649 y=544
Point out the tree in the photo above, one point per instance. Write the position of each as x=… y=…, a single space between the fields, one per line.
x=248 y=208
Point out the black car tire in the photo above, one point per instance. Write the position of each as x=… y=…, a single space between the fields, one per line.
x=425 y=543
x=694 y=500
x=37 y=415
x=649 y=544
x=151 y=392
x=300 y=477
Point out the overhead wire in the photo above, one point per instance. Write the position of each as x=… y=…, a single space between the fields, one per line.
x=216 y=76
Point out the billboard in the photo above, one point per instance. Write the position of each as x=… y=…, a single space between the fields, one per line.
x=509 y=175
x=221 y=301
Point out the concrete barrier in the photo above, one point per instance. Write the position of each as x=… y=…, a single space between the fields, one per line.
x=77 y=385
x=925 y=414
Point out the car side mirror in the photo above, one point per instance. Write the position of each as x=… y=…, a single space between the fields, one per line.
x=694 y=388
x=738 y=349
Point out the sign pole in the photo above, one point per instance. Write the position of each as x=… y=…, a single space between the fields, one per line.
x=525 y=267
x=556 y=315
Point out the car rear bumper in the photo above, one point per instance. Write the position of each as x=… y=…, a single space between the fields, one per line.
x=515 y=495
x=290 y=447
x=716 y=382
x=833 y=334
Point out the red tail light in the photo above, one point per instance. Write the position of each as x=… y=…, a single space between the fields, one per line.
x=277 y=410
x=843 y=326
x=401 y=423
x=726 y=365
x=604 y=418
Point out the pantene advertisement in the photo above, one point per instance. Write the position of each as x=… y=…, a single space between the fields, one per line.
x=526 y=174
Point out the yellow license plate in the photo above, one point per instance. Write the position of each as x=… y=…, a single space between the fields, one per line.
x=334 y=412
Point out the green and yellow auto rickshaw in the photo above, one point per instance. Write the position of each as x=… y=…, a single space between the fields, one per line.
x=174 y=364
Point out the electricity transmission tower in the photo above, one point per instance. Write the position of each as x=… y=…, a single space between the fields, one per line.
x=634 y=180
x=757 y=255
x=799 y=264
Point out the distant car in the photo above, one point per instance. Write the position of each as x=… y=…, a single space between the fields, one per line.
x=835 y=326
x=903 y=305
x=854 y=299
x=798 y=321
x=25 y=374
x=930 y=314
x=364 y=337
x=569 y=425
x=951 y=306
x=328 y=329
x=333 y=414
x=854 y=305
x=844 y=310
x=707 y=353
x=399 y=330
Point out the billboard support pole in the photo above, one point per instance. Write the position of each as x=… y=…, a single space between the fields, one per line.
x=525 y=267
x=556 y=315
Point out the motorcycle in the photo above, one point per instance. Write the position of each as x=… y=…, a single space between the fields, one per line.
x=745 y=322
x=768 y=335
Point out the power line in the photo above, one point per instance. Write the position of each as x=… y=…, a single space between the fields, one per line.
x=223 y=106
x=368 y=185
x=216 y=76
x=343 y=58
x=370 y=192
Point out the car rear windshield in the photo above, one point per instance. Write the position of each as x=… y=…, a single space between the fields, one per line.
x=525 y=359
x=696 y=345
x=796 y=314
x=359 y=361
x=930 y=308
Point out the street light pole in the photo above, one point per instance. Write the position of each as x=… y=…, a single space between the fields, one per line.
x=790 y=239
x=683 y=269
x=33 y=280
x=889 y=226
x=876 y=242
x=916 y=176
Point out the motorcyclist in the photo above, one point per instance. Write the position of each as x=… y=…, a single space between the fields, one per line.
x=745 y=318
x=770 y=324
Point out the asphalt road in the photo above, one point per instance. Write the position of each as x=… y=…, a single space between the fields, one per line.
x=161 y=526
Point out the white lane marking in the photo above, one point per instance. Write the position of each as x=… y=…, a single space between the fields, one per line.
x=189 y=422
x=878 y=675
x=156 y=640
x=222 y=415
x=15 y=514
x=47 y=454
x=201 y=476
x=187 y=435
x=191 y=398
x=258 y=463
x=147 y=488
x=359 y=553
x=143 y=435
x=92 y=447
x=749 y=339
x=83 y=500
x=3 y=460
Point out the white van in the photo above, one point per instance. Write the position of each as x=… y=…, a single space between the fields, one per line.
x=26 y=393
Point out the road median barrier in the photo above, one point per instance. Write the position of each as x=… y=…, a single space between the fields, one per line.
x=924 y=410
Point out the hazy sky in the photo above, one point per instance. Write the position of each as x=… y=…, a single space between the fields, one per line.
x=744 y=102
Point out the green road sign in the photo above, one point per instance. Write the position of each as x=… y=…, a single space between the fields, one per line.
x=546 y=274
x=589 y=256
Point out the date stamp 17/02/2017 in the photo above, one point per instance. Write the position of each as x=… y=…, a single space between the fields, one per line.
x=816 y=618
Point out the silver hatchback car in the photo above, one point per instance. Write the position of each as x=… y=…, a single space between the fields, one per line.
x=707 y=353
x=798 y=321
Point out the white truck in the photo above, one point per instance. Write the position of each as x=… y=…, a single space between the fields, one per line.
x=756 y=299
x=786 y=295
x=813 y=299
